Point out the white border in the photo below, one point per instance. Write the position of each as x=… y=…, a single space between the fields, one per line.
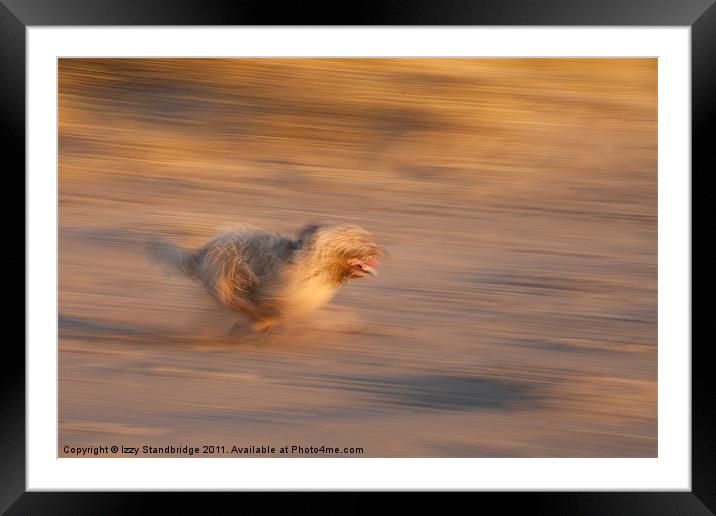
x=671 y=470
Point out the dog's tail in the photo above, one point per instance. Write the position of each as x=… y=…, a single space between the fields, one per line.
x=173 y=259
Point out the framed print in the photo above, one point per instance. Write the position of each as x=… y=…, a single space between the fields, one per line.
x=431 y=250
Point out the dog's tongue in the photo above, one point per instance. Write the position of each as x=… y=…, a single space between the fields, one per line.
x=371 y=266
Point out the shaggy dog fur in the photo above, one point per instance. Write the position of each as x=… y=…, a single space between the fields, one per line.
x=271 y=277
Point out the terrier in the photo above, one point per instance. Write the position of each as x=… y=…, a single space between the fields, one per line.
x=272 y=277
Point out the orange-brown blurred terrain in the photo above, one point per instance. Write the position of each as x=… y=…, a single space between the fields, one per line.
x=516 y=316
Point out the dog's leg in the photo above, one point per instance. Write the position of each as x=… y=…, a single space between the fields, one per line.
x=240 y=329
x=265 y=325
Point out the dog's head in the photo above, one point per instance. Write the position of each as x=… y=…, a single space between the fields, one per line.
x=346 y=251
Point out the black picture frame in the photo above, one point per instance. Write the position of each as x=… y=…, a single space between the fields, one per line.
x=17 y=15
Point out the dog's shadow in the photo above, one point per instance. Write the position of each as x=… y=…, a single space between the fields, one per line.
x=329 y=320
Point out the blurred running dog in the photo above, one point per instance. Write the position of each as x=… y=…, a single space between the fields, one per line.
x=272 y=277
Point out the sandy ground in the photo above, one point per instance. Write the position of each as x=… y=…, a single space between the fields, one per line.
x=516 y=316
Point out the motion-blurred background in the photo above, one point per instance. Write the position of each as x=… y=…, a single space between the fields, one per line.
x=516 y=317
